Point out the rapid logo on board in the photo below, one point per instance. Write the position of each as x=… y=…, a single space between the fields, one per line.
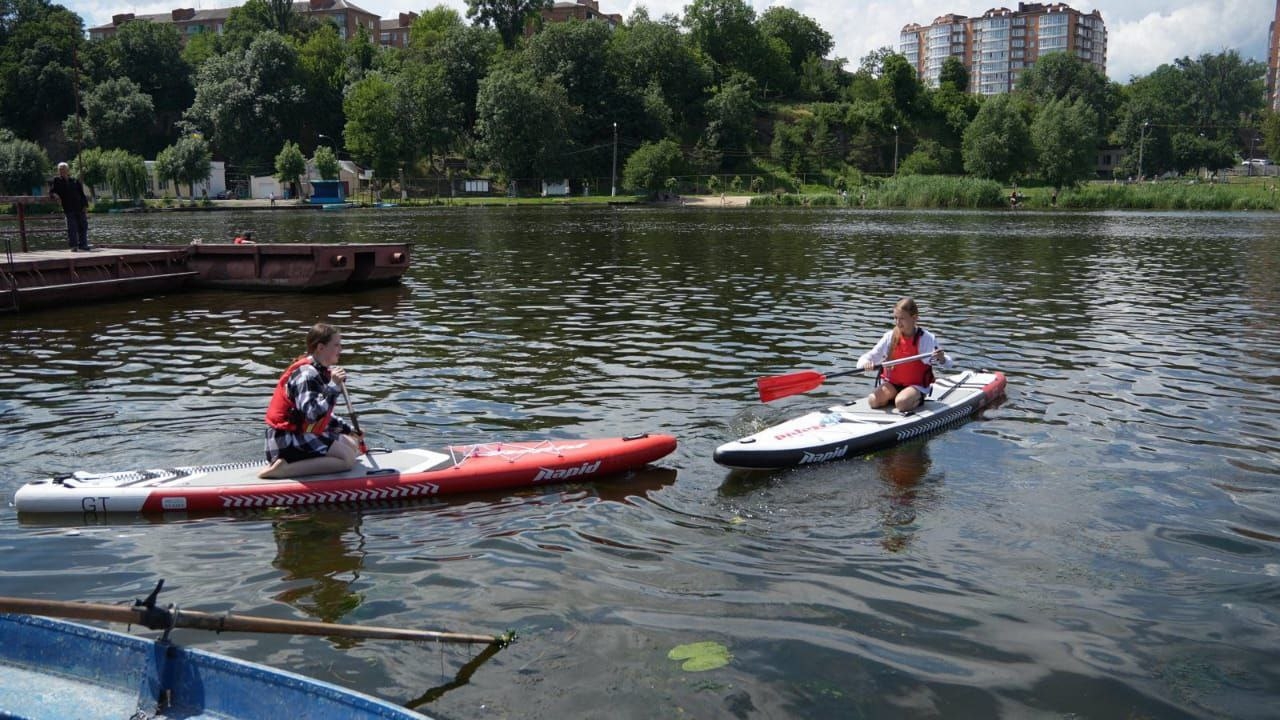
x=585 y=468
x=809 y=457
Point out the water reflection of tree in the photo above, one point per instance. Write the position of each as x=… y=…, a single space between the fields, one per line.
x=321 y=554
x=901 y=469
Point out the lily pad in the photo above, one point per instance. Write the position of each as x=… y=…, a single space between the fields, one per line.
x=701 y=656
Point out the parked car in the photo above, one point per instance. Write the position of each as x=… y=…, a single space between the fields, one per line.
x=1256 y=161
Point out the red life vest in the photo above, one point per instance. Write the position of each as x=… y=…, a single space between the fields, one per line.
x=915 y=372
x=283 y=414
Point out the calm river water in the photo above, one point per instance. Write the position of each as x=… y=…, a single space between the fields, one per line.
x=1103 y=544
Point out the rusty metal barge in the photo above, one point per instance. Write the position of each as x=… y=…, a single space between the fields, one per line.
x=36 y=279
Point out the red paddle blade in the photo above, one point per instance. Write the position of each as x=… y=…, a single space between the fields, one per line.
x=780 y=386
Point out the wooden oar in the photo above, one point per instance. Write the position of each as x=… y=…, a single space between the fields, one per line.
x=134 y=615
x=780 y=386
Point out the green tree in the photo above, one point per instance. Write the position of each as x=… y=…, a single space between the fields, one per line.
x=151 y=55
x=646 y=55
x=1063 y=76
x=1270 y=124
x=575 y=55
x=954 y=75
x=431 y=27
x=326 y=162
x=194 y=162
x=523 y=124
x=114 y=110
x=1065 y=137
x=731 y=115
x=91 y=167
x=290 y=166
x=648 y=167
x=900 y=88
x=38 y=50
x=508 y=17
x=246 y=102
x=997 y=144
x=126 y=174
x=23 y=166
x=322 y=73
x=802 y=35
x=375 y=131
x=725 y=31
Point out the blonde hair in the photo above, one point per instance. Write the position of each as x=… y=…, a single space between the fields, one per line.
x=909 y=306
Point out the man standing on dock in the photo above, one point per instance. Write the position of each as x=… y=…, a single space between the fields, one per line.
x=70 y=192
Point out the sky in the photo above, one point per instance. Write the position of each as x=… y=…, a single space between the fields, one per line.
x=1142 y=35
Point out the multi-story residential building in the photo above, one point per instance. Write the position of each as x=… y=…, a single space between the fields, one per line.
x=1273 y=62
x=579 y=10
x=395 y=32
x=347 y=17
x=998 y=46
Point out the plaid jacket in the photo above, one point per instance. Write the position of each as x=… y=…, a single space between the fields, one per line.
x=315 y=396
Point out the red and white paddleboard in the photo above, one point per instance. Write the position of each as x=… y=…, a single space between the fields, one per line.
x=379 y=476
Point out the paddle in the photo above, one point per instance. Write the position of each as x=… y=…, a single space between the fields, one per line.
x=780 y=386
x=162 y=619
x=355 y=421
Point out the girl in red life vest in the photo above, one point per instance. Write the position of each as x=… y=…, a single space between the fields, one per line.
x=908 y=384
x=304 y=437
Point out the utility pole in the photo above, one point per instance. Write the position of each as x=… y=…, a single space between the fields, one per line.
x=895 y=150
x=613 y=181
x=1142 y=142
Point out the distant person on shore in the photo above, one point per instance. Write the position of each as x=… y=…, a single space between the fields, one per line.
x=304 y=437
x=245 y=238
x=272 y=197
x=75 y=206
x=908 y=384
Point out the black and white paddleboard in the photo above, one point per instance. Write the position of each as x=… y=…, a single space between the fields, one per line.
x=845 y=431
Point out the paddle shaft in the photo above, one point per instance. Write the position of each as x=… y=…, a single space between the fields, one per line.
x=881 y=366
x=355 y=423
x=229 y=623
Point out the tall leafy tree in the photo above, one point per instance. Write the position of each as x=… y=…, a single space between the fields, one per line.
x=326 y=162
x=466 y=54
x=39 y=43
x=1065 y=137
x=508 y=17
x=802 y=35
x=290 y=166
x=189 y=161
x=375 y=132
x=1063 y=76
x=23 y=166
x=656 y=58
x=997 y=144
x=651 y=164
x=126 y=174
x=431 y=27
x=725 y=31
x=114 y=110
x=575 y=55
x=323 y=76
x=730 y=122
x=954 y=75
x=247 y=102
x=151 y=55
x=523 y=124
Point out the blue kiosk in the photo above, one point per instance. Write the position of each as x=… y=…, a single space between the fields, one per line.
x=328 y=192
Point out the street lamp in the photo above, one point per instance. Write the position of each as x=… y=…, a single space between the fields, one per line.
x=1142 y=141
x=895 y=150
x=613 y=180
x=1253 y=140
